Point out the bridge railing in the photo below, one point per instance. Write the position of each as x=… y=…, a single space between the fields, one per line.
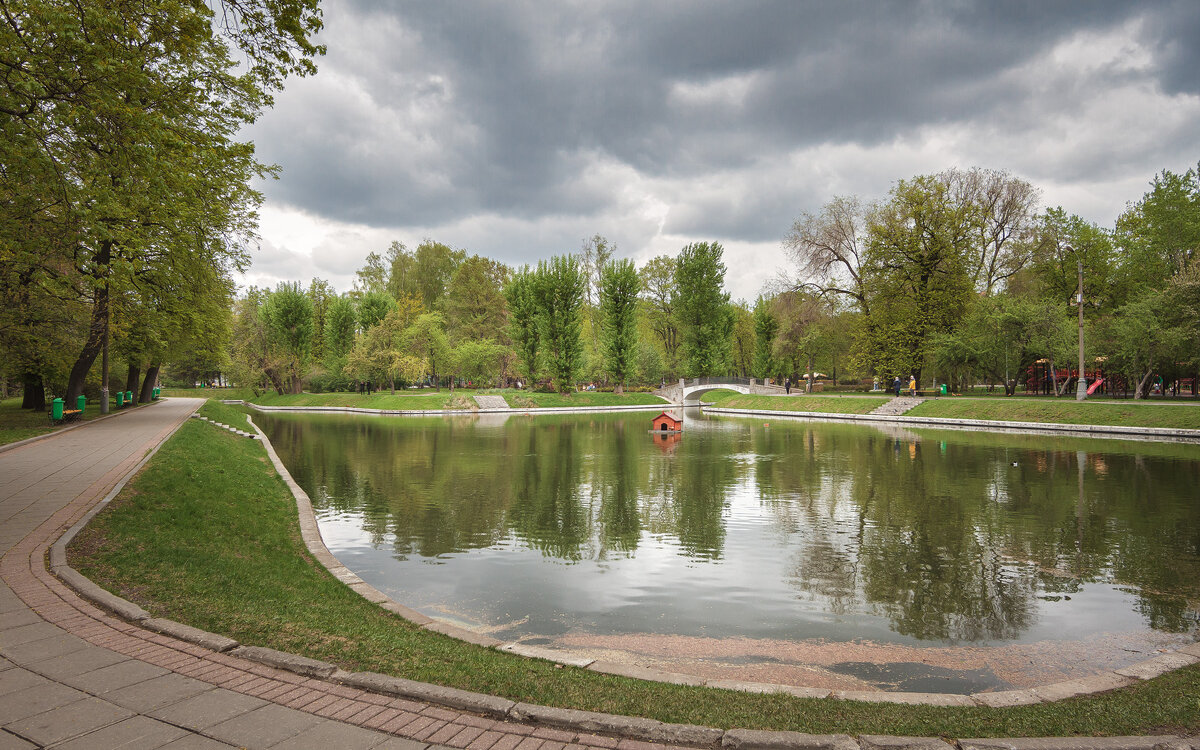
x=716 y=381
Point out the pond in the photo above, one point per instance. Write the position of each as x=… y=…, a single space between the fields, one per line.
x=802 y=552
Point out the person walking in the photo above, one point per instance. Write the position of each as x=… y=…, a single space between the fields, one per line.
x=912 y=385
x=787 y=386
x=896 y=385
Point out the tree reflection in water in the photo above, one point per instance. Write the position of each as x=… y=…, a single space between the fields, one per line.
x=956 y=537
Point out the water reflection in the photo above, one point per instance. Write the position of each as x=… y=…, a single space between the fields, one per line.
x=788 y=530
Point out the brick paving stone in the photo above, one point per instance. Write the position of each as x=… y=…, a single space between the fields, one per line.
x=437 y=712
x=555 y=735
x=399 y=743
x=426 y=732
x=116 y=676
x=595 y=740
x=402 y=720
x=445 y=734
x=529 y=743
x=484 y=741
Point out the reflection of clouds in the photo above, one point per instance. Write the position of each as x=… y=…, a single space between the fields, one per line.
x=818 y=530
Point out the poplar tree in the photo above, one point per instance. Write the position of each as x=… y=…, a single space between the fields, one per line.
x=619 y=287
x=558 y=289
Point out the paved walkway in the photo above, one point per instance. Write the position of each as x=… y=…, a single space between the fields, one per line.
x=74 y=676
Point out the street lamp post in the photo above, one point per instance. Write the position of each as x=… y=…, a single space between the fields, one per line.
x=1081 y=385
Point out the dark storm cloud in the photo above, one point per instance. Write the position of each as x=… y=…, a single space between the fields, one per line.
x=429 y=113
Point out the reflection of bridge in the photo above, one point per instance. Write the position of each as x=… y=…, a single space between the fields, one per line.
x=688 y=391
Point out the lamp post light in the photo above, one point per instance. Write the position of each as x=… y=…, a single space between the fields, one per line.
x=1081 y=383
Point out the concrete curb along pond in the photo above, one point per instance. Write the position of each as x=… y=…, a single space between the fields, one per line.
x=636 y=728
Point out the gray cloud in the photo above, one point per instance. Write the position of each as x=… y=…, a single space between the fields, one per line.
x=429 y=115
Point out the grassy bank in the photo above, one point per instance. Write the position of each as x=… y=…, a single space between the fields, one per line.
x=1182 y=415
x=1123 y=413
x=825 y=404
x=177 y=542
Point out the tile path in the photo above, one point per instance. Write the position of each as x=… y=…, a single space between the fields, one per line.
x=74 y=676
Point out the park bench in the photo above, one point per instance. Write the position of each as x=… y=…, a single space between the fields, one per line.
x=68 y=415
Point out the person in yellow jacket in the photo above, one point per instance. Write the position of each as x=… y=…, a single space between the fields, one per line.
x=912 y=385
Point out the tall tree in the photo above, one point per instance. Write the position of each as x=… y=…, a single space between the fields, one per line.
x=1161 y=232
x=524 y=321
x=619 y=287
x=916 y=273
x=373 y=307
x=705 y=320
x=474 y=303
x=827 y=250
x=339 y=329
x=119 y=126
x=289 y=315
x=558 y=288
x=1006 y=223
x=765 y=328
x=659 y=295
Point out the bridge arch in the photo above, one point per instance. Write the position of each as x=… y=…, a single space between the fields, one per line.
x=688 y=392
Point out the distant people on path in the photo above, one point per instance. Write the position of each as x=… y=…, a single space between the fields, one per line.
x=896 y=385
x=787 y=386
x=912 y=385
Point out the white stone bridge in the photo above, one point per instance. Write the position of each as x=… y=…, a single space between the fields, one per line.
x=688 y=391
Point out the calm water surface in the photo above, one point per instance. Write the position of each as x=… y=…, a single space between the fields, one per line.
x=797 y=550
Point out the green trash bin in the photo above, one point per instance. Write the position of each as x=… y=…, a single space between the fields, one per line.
x=129 y=397
x=120 y=399
x=943 y=389
x=80 y=402
x=56 y=409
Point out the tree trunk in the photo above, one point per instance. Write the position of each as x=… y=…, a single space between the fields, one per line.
x=1054 y=378
x=91 y=348
x=808 y=385
x=1140 y=392
x=147 y=394
x=33 y=392
x=131 y=383
x=392 y=385
x=620 y=389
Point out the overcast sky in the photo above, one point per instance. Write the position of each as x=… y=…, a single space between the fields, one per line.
x=516 y=130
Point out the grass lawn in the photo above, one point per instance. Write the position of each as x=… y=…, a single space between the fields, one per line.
x=1065 y=411
x=824 y=404
x=207 y=535
x=19 y=424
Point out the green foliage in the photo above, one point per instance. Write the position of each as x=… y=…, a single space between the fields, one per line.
x=478 y=362
x=619 y=287
x=424 y=273
x=915 y=271
x=288 y=312
x=765 y=328
x=426 y=339
x=1161 y=233
x=474 y=303
x=523 y=319
x=702 y=304
x=339 y=328
x=373 y=307
x=1139 y=340
x=659 y=300
x=558 y=287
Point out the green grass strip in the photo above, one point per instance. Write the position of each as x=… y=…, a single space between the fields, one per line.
x=823 y=404
x=1064 y=411
x=207 y=535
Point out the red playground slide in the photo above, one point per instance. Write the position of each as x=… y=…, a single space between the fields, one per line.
x=1092 y=388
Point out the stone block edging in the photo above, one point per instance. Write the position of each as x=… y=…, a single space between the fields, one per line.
x=581 y=721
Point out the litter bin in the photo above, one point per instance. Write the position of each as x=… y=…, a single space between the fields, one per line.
x=129 y=397
x=80 y=402
x=56 y=409
x=120 y=399
x=943 y=389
